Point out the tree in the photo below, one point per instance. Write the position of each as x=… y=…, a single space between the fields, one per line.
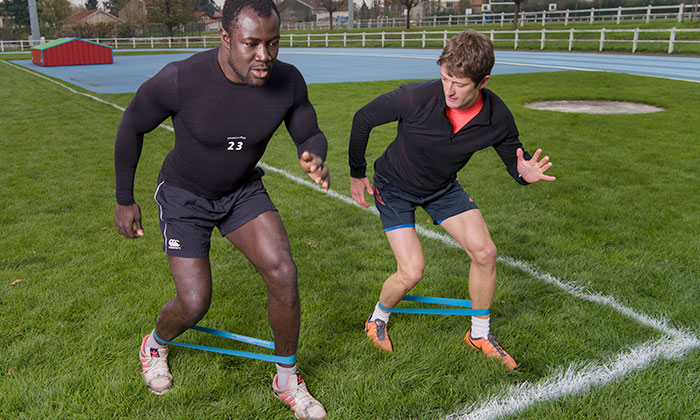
x=51 y=13
x=408 y=4
x=17 y=11
x=376 y=6
x=332 y=6
x=463 y=6
x=171 y=13
x=364 y=11
x=132 y=13
x=517 y=12
x=431 y=7
x=91 y=4
x=95 y=30
x=115 y=6
x=208 y=6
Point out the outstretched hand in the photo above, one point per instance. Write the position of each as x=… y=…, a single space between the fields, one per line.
x=128 y=220
x=532 y=170
x=358 y=186
x=316 y=169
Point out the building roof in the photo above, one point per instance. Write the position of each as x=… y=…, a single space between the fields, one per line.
x=60 y=41
x=82 y=15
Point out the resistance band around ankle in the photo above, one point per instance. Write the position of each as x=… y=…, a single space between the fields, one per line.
x=231 y=336
x=463 y=303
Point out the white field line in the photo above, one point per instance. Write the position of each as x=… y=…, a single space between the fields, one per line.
x=70 y=89
x=576 y=378
x=570 y=287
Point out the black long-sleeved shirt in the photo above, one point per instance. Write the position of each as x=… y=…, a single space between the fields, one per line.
x=425 y=156
x=221 y=128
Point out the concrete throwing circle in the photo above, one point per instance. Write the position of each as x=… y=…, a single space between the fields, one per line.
x=594 y=107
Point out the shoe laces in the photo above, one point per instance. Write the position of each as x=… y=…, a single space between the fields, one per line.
x=491 y=339
x=381 y=329
x=158 y=366
x=301 y=395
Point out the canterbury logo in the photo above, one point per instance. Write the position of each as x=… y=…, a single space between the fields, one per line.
x=378 y=196
x=173 y=244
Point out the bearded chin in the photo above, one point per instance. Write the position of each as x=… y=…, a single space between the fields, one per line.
x=245 y=78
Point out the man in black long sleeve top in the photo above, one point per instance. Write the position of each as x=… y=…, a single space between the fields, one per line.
x=441 y=123
x=225 y=105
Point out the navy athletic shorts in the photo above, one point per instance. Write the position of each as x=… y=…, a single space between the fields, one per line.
x=397 y=209
x=187 y=219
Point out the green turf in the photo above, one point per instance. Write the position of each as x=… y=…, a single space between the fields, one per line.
x=621 y=220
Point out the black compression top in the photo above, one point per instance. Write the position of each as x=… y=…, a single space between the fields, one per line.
x=221 y=128
x=425 y=156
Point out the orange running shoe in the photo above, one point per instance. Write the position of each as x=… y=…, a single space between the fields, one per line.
x=491 y=348
x=376 y=331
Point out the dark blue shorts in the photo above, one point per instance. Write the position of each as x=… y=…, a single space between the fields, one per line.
x=397 y=209
x=187 y=219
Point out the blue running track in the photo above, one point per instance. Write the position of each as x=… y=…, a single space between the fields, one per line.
x=332 y=65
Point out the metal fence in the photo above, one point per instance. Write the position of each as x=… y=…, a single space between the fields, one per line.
x=680 y=12
x=665 y=40
x=202 y=41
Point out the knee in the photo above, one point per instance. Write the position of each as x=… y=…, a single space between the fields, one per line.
x=281 y=279
x=194 y=306
x=411 y=275
x=485 y=255
x=280 y=271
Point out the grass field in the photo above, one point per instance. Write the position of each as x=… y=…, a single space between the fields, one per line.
x=621 y=222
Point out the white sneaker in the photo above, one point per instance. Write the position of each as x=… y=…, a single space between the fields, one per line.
x=154 y=368
x=297 y=396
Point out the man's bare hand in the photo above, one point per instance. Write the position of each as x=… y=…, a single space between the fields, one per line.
x=128 y=220
x=316 y=169
x=532 y=170
x=358 y=186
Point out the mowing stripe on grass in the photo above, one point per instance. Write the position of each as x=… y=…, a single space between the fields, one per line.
x=575 y=379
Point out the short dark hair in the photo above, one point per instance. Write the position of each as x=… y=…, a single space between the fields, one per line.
x=468 y=54
x=232 y=8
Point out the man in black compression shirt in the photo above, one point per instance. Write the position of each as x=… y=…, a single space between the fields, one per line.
x=441 y=124
x=225 y=105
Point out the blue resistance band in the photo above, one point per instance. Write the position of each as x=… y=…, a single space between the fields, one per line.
x=231 y=336
x=438 y=301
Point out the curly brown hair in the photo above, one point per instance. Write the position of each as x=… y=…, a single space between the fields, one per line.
x=468 y=54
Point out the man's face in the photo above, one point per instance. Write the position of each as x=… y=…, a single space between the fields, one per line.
x=460 y=92
x=251 y=47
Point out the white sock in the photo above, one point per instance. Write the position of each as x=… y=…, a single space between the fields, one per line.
x=152 y=343
x=283 y=374
x=480 y=327
x=379 y=314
